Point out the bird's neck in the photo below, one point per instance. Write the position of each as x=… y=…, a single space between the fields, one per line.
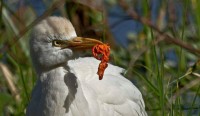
x=55 y=74
x=54 y=83
x=60 y=88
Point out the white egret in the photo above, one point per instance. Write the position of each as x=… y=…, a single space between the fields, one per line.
x=70 y=87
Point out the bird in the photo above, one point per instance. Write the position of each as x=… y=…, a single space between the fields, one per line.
x=68 y=85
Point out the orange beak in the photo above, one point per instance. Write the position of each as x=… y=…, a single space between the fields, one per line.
x=76 y=43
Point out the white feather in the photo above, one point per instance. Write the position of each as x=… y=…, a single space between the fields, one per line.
x=72 y=87
x=114 y=93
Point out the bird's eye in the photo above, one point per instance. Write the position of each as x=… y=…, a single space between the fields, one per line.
x=56 y=43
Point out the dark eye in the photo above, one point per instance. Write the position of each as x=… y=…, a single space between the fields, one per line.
x=56 y=43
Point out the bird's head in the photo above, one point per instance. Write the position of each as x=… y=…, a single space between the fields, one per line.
x=53 y=41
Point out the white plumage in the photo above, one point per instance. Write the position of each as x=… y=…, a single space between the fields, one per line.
x=70 y=87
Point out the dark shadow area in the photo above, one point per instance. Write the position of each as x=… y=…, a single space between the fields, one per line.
x=71 y=82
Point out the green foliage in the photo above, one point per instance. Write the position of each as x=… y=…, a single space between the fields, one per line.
x=163 y=84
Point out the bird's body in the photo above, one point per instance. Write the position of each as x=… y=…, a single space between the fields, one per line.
x=71 y=87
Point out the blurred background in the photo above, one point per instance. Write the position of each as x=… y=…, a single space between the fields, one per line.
x=156 y=41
